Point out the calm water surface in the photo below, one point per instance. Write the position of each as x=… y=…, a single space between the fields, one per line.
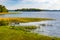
x=51 y=28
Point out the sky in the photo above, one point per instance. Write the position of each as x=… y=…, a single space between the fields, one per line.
x=41 y=4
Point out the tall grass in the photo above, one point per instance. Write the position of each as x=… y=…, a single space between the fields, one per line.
x=25 y=19
x=6 y=21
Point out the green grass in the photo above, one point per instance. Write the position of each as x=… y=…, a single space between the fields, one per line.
x=11 y=34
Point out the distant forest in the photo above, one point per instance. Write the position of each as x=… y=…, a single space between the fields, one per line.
x=28 y=9
x=3 y=9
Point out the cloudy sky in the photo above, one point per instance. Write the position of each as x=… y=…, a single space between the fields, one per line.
x=42 y=4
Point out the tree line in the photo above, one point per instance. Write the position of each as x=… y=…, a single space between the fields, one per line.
x=28 y=9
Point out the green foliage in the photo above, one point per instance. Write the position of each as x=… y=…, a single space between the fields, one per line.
x=3 y=9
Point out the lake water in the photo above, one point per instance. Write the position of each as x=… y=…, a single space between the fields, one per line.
x=51 y=28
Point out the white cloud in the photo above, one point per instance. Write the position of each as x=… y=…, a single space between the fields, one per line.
x=44 y=4
x=3 y=0
x=36 y=0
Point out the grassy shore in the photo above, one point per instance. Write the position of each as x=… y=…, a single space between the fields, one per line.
x=11 y=34
x=7 y=21
x=20 y=33
x=9 y=12
x=24 y=19
x=3 y=12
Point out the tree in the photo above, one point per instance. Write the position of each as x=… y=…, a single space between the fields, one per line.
x=0 y=8
x=3 y=9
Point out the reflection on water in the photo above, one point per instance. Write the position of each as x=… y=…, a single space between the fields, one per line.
x=51 y=28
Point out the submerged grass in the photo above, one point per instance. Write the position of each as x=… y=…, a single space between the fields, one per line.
x=11 y=34
x=25 y=28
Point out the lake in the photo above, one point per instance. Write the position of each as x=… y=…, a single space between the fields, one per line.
x=51 y=28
